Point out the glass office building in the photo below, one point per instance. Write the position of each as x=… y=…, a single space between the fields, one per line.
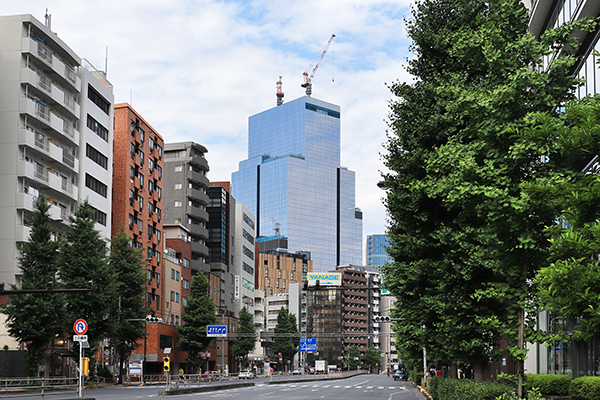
x=376 y=253
x=293 y=182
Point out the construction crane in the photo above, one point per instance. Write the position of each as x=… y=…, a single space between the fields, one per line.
x=279 y=93
x=313 y=69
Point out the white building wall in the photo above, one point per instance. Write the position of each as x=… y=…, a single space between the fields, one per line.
x=244 y=257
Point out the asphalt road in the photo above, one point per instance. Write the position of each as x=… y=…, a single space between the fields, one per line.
x=357 y=387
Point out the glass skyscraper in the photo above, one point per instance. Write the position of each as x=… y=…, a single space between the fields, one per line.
x=376 y=253
x=293 y=182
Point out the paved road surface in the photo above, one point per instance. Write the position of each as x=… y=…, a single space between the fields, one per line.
x=359 y=387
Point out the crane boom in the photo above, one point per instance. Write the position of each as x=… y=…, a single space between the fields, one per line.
x=313 y=68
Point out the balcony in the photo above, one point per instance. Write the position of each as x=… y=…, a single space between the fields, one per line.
x=48 y=117
x=199 y=248
x=35 y=140
x=198 y=213
x=198 y=230
x=22 y=233
x=59 y=69
x=199 y=195
x=198 y=177
x=199 y=161
x=40 y=174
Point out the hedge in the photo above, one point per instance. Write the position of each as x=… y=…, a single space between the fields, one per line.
x=557 y=385
x=585 y=388
x=464 y=389
x=415 y=376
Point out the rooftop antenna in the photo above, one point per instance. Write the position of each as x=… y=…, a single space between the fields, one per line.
x=279 y=93
x=106 y=63
x=48 y=20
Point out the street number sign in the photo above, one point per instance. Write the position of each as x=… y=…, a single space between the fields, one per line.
x=80 y=326
x=80 y=338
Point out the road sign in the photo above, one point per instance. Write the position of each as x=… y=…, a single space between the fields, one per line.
x=80 y=338
x=216 y=330
x=308 y=345
x=80 y=326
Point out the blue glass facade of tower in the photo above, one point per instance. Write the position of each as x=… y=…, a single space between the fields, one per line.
x=376 y=253
x=293 y=182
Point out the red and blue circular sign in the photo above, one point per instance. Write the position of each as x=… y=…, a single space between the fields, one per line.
x=80 y=326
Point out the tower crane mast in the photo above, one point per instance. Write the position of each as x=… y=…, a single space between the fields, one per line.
x=312 y=68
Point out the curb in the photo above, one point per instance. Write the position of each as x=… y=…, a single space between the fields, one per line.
x=201 y=389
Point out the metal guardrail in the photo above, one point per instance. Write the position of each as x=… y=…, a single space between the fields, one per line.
x=36 y=387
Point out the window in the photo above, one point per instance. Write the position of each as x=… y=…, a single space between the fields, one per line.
x=166 y=341
x=172 y=296
x=150 y=164
x=95 y=185
x=266 y=271
x=176 y=297
x=177 y=276
x=284 y=283
x=98 y=100
x=186 y=263
x=178 y=168
x=96 y=156
x=97 y=127
x=279 y=274
x=178 y=186
x=184 y=301
x=172 y=273
x=99 y=216
x=177 y=203
x=131 y=173
x=268 y=281
x=291 y=275
x=185 y=284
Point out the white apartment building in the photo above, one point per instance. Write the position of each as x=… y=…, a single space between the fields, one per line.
x=243 y=265
x=56 y=124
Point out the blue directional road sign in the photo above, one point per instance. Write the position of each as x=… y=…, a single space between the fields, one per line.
x=308 y=345
x=216 y=330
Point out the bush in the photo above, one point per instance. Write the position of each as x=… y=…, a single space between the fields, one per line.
x=463 y=389
x=433 y=387
x=557 y=385
x=415 y=376
x=585 y=388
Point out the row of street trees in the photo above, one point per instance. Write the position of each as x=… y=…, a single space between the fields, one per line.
x=71 y=261
x=480 y=170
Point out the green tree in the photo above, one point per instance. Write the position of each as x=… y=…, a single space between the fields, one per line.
x=570 y=284
x=286 y=344
x=352 y=360
x=84 y=259
x=34 y=319
x=127 y=263
x=244 y=344
x=373 y=357
x=465 y=238
x=197 y=315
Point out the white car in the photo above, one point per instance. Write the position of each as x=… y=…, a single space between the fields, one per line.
x=247 y=374
x=296 y=371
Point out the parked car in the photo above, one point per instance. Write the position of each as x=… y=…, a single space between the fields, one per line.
x=247 y=374
x=311 y=370
x=400 y=375
x=296 y=371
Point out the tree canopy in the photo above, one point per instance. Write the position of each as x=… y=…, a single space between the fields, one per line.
x=287 y=346
x=197 y=315
x=34 y=319
x=465 y=237
x=127 y=264
x=244 y=344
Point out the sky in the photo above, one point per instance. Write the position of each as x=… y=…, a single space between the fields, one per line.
x=195 y=70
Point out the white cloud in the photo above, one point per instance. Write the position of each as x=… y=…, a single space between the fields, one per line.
x=196 y=70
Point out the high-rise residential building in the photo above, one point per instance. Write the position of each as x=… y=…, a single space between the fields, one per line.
x=295 y=186
x=56 y=119
x=185 y=196
x=138 y=163
x=376 y=250
x=244 y=259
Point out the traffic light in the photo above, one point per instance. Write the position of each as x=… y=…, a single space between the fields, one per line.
x=154 y=319
x=86 y=366
x=166 y=364
x=382 y=319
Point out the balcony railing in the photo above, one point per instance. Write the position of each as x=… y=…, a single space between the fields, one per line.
x=45 y=53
